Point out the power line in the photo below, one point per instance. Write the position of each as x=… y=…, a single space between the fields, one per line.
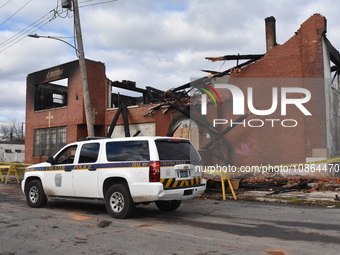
x=104 y=2
x=32 y=27
x=29 y=29
x=39 y=23
x=5 y=3
x=15 y=13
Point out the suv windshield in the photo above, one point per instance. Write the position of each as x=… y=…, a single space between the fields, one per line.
x=176 y=149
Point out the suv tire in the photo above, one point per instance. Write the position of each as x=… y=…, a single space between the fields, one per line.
x=118 y=202
x=35 y=195
x=168 y=205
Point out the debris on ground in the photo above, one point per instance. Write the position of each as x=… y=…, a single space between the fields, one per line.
x=290 y=190
x=104 y=224
x=281 y=185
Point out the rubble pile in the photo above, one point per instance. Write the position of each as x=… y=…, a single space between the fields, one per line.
x=278 y=185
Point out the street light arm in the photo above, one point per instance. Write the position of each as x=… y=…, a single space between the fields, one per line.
x=55 y=38
x=82 y=66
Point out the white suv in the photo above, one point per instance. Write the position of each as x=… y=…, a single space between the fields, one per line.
x=121 y=172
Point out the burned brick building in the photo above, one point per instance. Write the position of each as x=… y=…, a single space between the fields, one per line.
x=55 y=110
x=307 y=60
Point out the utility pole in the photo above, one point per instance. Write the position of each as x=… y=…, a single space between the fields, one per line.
x=82 y=65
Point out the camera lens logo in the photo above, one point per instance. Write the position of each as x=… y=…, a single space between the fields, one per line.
x=209 y=90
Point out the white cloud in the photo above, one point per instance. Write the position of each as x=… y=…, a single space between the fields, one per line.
x=155 y=43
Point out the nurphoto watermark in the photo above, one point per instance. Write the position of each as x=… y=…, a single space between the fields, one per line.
x=241 y=123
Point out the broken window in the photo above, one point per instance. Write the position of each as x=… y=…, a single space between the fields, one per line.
x=117 y=99
x=133 y=95
x=50 y=95
x=58 y=98
x=47 y=141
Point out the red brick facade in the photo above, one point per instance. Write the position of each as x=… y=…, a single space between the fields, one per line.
x=72 y=115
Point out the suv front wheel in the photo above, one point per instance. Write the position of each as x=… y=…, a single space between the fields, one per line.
x=118 y=201
x=35 y=195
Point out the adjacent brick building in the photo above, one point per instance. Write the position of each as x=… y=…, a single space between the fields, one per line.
x=306 y=60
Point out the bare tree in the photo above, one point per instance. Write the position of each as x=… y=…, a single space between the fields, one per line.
x=12 y=131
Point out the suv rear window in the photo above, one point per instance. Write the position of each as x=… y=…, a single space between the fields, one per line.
x=128 y=151
x=174 y=149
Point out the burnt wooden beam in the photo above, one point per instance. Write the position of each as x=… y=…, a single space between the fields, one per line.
x=335 y=68
x=209 y=71
x=125 y=120
x=127 y=86
x=122 y=109
x=155 y=90
x=149 y=93
x=333 y=52
x=218 y=74
x=114 y=121
x=237 y=66
x=225 y=131
x=235 y=57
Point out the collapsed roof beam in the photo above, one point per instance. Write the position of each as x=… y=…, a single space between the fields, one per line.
x=210 y=71
x=154 y=89
x=235 y=57
x=124 y=111
x=334 y=68
x=333 y=52
x=219 y=74
x=127 y=85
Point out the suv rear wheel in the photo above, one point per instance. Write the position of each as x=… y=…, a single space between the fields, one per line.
x=35 y=195
x=118 y=201
x=168 y=205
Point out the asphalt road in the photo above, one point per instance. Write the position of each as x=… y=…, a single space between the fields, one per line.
x=199 y=226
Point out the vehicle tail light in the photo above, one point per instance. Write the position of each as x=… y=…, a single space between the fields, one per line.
x=154 y=171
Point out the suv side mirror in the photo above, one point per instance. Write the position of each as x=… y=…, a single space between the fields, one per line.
x=50 y=160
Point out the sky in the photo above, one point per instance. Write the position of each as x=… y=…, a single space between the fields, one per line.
x=162 y=43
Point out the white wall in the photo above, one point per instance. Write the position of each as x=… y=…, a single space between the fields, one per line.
x=12 y=152
x=147 y=129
